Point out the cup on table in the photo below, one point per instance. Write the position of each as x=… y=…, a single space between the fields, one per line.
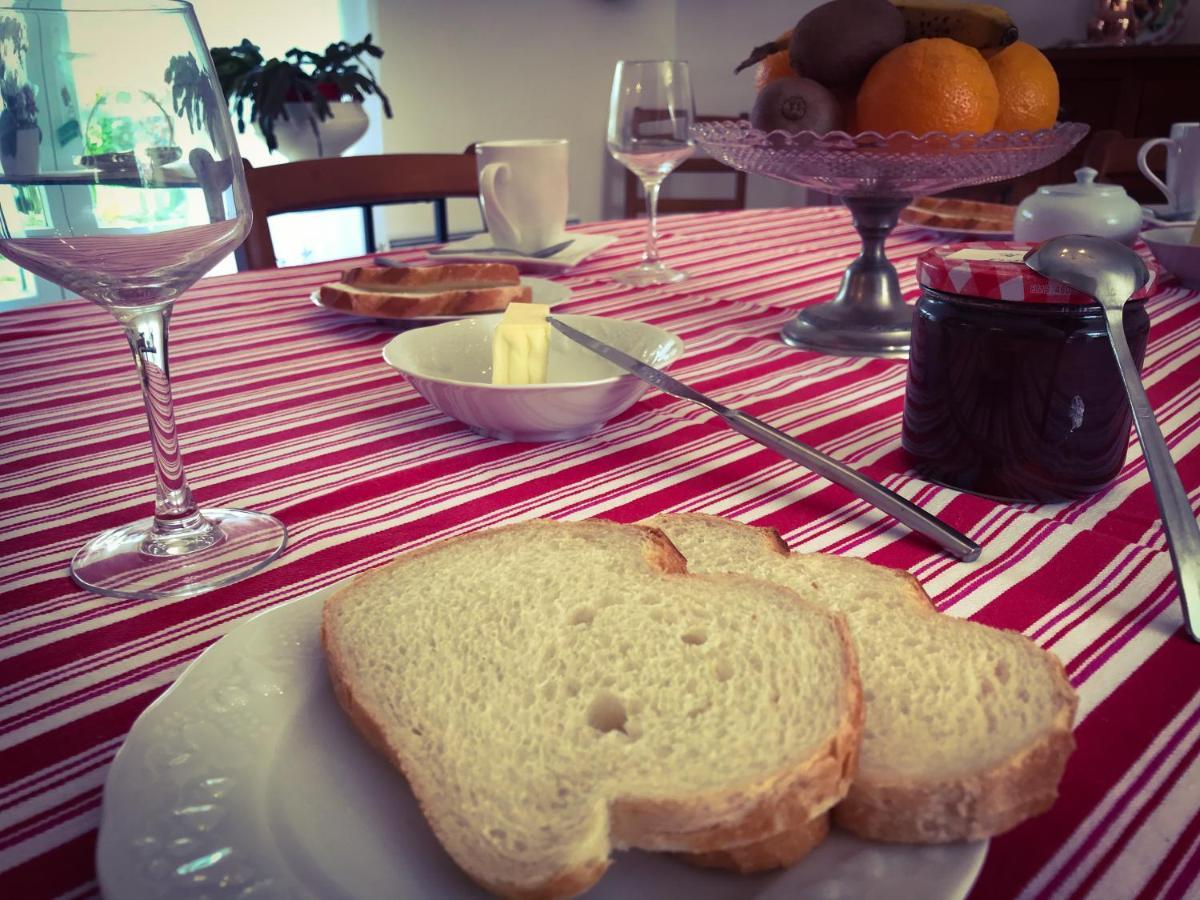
x=1182 y=188
x=523 y=188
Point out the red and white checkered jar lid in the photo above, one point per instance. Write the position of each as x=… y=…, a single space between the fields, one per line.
x=996 y=270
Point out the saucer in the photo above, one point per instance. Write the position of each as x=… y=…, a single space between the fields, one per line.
x=1160 y=216
x=582 y=246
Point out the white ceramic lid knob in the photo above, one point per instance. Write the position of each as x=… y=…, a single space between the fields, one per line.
x=1086 y=175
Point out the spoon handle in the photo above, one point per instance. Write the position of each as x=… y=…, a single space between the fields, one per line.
x=1179 y=523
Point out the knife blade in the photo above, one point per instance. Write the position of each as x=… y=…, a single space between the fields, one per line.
x=900 y=508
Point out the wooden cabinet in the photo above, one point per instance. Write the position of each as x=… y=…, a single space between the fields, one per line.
x=1138 y=91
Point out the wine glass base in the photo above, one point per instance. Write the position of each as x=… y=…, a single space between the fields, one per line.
x=841 y=330
x=650 y=273
x=117 y=564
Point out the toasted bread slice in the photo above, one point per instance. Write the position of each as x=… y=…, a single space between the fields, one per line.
x=554 y=690
x=448 y=277
x=399 y=305
x=968 y=728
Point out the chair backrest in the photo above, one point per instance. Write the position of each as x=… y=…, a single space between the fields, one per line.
x=635 y=203
x=363 y=181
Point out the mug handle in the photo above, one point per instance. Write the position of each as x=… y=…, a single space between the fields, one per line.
x=1143 y=152
x=491 y=203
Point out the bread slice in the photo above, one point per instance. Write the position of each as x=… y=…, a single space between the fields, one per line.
x=968 y=728
x=448 y=277
x=394 y=305
x=554 y=690
x=403 y=292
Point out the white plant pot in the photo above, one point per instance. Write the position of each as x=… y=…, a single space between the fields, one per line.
x=337 y=134
x=25 y=160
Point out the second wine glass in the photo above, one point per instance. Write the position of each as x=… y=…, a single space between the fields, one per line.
x=649 y=120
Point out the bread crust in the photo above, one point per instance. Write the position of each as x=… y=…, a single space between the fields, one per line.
x=449 y=276
x=770 y=809
x=785 y=849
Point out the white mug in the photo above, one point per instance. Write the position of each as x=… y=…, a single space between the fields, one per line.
x=1182 y=189
x=523 y=186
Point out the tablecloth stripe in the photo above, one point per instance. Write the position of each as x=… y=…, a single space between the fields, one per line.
x=289 y=409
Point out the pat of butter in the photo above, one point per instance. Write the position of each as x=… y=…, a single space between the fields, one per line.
x=521 y=345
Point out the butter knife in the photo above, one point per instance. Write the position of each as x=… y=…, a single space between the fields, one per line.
x=757 y=430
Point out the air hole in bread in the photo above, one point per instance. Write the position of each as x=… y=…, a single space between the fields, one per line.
x=583 y=616
x=1002 y=672
x=723 y=670
x=607 y=713
x=572 y=688
x=696 y=636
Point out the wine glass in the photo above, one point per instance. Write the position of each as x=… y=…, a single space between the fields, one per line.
x=649 y=117
x=134 y=191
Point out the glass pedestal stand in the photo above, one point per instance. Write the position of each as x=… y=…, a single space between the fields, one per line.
x=877 y=177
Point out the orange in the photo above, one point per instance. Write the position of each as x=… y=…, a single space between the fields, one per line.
x=932 y=84
x=772 y=68
x=1028 y=88
x=775 y=66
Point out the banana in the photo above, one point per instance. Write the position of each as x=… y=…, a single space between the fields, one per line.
x=977 y=24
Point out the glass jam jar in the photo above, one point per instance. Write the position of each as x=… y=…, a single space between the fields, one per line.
x=1013 y=391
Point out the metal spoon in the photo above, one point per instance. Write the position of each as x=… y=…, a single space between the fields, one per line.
x=1111 y=273
x=544 y=253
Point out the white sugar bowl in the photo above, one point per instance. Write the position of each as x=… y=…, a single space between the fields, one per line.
x=1084 y=207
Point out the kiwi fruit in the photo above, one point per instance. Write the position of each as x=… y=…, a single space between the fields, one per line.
x=838 y=42
x=796 y=104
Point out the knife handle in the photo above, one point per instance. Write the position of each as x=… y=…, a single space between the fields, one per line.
x=854 y=481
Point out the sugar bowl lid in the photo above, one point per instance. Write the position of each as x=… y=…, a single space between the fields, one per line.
x=996 y=270
x=1084 y=185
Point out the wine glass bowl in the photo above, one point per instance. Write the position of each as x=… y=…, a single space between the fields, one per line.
x=649 y=120
x=877 y=176
x=140 y=193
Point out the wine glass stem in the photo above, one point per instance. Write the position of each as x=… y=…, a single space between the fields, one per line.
x=175 y=511
x=650 y=254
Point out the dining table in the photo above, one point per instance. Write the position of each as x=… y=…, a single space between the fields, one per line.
x=289 y=408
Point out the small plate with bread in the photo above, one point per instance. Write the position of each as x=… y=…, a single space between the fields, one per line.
x=953 y=215
x=425 y=295
x=679 y=708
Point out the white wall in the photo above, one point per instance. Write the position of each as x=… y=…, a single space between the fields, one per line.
x=460 y=71
x=466 y=70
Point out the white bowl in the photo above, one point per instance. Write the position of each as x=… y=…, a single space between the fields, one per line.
x=1171 y=248
x=450 y=365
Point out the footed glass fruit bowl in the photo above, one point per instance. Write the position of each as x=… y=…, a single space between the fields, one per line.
x=877 y=176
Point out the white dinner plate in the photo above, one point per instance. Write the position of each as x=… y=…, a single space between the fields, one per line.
x=245 y=780
x=544 y=291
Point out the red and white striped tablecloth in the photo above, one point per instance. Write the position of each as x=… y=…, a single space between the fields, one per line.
x=289 y=409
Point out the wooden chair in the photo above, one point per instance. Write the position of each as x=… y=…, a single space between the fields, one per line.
x=635 y=203
x=1114 y=157
x=363 y=181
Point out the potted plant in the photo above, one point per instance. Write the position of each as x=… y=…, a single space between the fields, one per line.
x=20 y=136
x=307 y=104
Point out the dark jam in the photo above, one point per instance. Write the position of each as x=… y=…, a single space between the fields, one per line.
x=1020 y=401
